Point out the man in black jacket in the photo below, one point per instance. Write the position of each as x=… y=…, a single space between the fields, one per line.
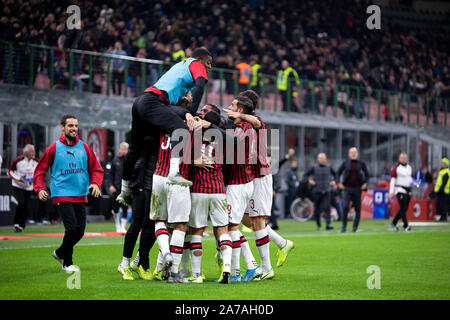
x=115 y=178
x=322 y=177
x=355 y=176
x=141 y=188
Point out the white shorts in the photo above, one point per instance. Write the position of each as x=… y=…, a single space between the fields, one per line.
x=171 y=203
x=212 y=204
x=238 y=196
x=260 y=204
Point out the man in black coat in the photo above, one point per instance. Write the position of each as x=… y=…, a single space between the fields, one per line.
x=354 y=179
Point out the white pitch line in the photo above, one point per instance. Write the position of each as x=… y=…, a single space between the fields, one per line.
x=351 y=234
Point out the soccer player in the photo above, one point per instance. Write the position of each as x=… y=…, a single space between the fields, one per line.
x=208 y=198
x=240 y=185
x=150 y=110
x=75 y=171
x=260 y=204
x=141 y=186
x=170 y=203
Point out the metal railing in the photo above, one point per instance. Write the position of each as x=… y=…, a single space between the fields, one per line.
x=104 y=73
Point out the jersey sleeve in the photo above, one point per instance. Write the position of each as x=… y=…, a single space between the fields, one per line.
x=45 y=162
x=393 y=179
x=197 y=70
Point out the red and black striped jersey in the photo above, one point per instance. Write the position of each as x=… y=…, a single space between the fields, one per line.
x=241 y=173
x=262 y=167
x=163 y=164
x=212 y=180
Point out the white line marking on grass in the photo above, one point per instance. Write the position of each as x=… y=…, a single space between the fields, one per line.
x=314 y=235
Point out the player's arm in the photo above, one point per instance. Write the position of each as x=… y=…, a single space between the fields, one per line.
x=12 y=173
x=45 y=162
x=256 y=124
x=393 y=181
x=198 y=72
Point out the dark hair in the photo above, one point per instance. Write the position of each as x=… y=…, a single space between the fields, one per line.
x=200 y=53
x=212 y=117
x=245 y=103
x=65 y=117
x=214 y=108
x=252 y=95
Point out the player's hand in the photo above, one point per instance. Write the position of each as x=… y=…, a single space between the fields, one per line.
x=198 y=124
x=95 y=190
x=112 y=189
x=291 y=153
x=232 y=114
x=190 y=121
x=43 y=195
x=204 y=163
x=332 y=184
x=206 y=124
x=311 y=182
x=341 y=186
x=390 y=196
x=22 y=180
x=364 y=186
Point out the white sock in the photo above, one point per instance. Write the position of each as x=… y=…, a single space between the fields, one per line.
x=162 y=237
x=136 y=260
x=116 y=221
x=125 y=187
x=235 y=252
x=174 y=165
x=226 y=251
x=275 y=237
x=125 y=262
x=184 y=265
x=262 y=243
x=196 y=260
x=246 y=253
x=176 y=249
x=159 y=262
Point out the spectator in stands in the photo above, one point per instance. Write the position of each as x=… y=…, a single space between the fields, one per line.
x=287 y=82
x=117 y=67
x=21 y=173
x=62 y=77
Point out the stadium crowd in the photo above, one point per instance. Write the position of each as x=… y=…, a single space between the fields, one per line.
x=321 y=40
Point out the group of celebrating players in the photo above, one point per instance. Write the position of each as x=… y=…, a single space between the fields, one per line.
x=185 y=192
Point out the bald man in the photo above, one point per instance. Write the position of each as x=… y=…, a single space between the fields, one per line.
x=354 y=178
x=322 y=178
x=21 y=173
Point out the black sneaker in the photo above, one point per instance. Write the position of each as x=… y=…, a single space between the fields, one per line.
x=17 y=228
x=330 y=227
x=343 y=230
x=393 y=227
x=408 y=228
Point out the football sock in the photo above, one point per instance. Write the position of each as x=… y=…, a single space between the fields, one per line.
x=275 y=237
x=196 y=254
x=184 y=265
x=159 y=262
x=162 y=237
x=262 y=243
x=125 y=262
x=176 y=249
x=235 y=253
x=246 y=253
x=226 y=250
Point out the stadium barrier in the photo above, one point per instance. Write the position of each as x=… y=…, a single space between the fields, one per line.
x=47 y=67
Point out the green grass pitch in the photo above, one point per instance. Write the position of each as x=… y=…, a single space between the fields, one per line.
x=323 y=265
